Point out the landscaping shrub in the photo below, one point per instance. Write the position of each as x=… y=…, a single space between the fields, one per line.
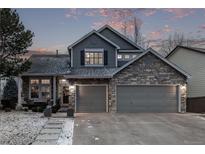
x=10 y=94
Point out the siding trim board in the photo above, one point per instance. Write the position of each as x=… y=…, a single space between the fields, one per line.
x=120 y=35
x=150 y=50
x=188 y=48
x=89 y=34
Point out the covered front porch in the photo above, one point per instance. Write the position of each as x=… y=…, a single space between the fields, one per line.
x=44 y=89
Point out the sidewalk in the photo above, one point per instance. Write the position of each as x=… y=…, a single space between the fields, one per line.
x=56 y=131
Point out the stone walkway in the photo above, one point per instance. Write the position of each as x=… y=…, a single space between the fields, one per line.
x=50 y=133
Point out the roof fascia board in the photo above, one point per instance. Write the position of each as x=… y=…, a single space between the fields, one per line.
x=160 y=57
x=120 y=35
x=89 y=34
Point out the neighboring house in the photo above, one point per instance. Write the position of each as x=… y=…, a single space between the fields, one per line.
x=94 y=77
x=192 y=60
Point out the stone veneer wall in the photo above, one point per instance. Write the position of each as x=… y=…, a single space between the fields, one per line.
x=149 y=70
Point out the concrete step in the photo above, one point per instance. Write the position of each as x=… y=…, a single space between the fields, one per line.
x=51 y=131
x=48 y=137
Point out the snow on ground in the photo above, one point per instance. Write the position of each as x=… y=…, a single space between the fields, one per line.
x=66 y=136
x=19 y=127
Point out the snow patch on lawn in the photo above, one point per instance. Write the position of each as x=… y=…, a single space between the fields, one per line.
x=19 y=127
x=66 y=135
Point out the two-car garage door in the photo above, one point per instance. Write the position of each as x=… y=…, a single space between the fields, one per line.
x=147 y=98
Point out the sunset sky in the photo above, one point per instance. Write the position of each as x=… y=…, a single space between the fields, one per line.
x=57 y=28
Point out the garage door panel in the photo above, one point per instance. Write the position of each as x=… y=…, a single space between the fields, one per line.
x=91 y=98
x=146 y=98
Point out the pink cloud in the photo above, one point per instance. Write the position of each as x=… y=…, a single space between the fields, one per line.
x=118 y=19
x=159 y=33
x=41 y=50
x=149 y=12
x=155 y=34
x=167 y=29
x=202 y=26
x=72 y=13
x=180 y=12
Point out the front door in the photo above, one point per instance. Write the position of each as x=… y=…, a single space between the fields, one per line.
x=65 y=96
x=63 y=91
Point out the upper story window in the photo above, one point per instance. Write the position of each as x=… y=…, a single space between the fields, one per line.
x=127 y=57
x=94 y=57
x=119 y=56
x=133 y=56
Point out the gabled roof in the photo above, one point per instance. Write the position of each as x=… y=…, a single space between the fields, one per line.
x=120 y=35
x=200 y=50
x=91 y=33
x=150 y=50
x=46 y=65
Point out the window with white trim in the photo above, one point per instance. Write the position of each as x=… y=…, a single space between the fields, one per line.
x=34 y=92
x=127 y=57
x=40 y=88
x=119 y=56
x=94 y=57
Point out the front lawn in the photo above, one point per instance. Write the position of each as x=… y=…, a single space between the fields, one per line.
x=18 y=127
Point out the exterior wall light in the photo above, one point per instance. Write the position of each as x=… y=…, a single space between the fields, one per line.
x=183 y=87
x=63 y=80
x=71 y=88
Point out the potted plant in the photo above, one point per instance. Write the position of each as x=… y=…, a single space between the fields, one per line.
x=70 y=111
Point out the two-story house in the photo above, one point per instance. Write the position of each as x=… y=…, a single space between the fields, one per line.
x=104 y=71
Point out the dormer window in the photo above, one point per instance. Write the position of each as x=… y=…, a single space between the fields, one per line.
x=94 y=57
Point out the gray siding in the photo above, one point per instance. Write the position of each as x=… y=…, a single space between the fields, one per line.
x=194 y=64
x=94 y=41
x=117 y=40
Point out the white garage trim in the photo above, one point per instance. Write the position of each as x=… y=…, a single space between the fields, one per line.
x=91 y=85
x=176 y=85
x=179 y=98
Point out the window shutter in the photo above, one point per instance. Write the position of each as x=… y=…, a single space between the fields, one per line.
x=82 y=57
x=105 y=57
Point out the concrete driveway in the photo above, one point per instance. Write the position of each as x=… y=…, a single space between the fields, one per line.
x=145 y=128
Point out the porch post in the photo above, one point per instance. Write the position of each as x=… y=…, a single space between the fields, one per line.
x=54 y=90
x=19 y=105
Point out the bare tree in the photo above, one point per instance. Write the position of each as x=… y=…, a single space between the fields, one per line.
x=174 y=40
x=138 y=37
x=124 y=29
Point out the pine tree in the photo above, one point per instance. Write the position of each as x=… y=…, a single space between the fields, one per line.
x=11 y=92
x=14 y=40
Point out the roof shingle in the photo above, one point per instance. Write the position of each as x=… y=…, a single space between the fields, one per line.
x=48 y=65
